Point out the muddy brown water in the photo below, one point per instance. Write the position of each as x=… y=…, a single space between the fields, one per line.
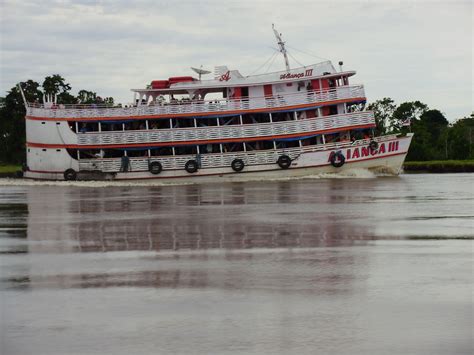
x=309 y=266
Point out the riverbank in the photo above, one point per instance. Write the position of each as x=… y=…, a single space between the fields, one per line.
x=434 y=166
x=9 y=170
x=439 y=166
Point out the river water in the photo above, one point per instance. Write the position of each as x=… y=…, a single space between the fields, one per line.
x=330 y=266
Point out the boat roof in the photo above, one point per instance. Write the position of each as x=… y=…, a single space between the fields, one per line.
x=225 y=78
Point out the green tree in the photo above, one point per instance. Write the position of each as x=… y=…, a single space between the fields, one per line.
x=55 y=84
x=460 y=139
x=12 y=113
x=86 y=97
x=12 y=121
x=383 y=112
x=407 y=110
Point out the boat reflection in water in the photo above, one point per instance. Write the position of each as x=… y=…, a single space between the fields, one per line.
x=192 y=217
x=283 y=267
x=185 y=235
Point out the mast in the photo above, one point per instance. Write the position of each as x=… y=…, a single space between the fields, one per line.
x=22 y=95
x=281 y=44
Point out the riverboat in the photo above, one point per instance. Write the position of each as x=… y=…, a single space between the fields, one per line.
x=295 y=122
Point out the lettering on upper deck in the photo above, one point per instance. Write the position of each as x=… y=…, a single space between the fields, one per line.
x=225 y=76
x=307 y=72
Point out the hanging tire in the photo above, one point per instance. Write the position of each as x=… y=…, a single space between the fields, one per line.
x=284 y=161
x=155 y=167
x=373 y=145
x=191 y=166
x=337 y=159
x=70 y=175
x=237 y=165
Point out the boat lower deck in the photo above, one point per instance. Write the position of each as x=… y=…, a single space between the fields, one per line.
x=387 y=157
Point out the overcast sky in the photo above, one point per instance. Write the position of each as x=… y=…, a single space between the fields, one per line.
x=406 y=50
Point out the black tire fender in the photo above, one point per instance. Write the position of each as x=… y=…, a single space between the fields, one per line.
x=70 y=175
x=155 y=167
x=284 y=161
x=337 y=159
x=373 y=145
x=237 y=165
x=191 y=166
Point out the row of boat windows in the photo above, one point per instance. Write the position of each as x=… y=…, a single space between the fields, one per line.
x=255 y=118
x=218 y=148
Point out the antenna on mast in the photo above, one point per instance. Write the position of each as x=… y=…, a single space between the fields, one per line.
x=281 y=44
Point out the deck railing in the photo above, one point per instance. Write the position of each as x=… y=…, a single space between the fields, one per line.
x=211 y=107
x=217 y=160
x=227 y=132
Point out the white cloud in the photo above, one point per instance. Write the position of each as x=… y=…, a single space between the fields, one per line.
x=407 y=50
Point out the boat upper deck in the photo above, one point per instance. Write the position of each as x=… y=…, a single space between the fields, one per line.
x=225 y=78
x=214 y=107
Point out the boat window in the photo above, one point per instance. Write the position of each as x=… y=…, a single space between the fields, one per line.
x=185 y=150
x=85 y=127
x=288 y=144
x=255 y=118
x=135 y=125
x=229 y=121
x=90 y=154
x=333 y=110
x=113 y=153
x=311 y=141
x=159 y=124
x=137 y=153
x=183 y=122
x=72 y=126
x=161 y=151
x=232 y=147
x=209 y=148
x=311 y=113
x=282 y=116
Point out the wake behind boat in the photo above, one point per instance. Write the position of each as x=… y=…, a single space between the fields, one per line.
x=295 y=122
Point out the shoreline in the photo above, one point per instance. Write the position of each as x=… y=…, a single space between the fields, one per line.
x=439 y=166
x=410 y=167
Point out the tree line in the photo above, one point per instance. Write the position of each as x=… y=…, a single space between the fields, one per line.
x=12 y=112
x=435 y=138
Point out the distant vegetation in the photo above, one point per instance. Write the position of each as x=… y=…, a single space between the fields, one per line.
x=435 y=138
x=440 y=166
x=12 y=112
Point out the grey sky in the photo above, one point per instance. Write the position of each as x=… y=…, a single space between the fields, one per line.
x=407 y=50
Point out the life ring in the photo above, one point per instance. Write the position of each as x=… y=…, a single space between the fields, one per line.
x=337 y=159
x=70 y=175
x=237 y=165
x=191 y=166
x=373 y=145
x=155 y=167
x=284 y=161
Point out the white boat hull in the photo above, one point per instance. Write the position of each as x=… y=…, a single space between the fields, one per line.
x=387 y=159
